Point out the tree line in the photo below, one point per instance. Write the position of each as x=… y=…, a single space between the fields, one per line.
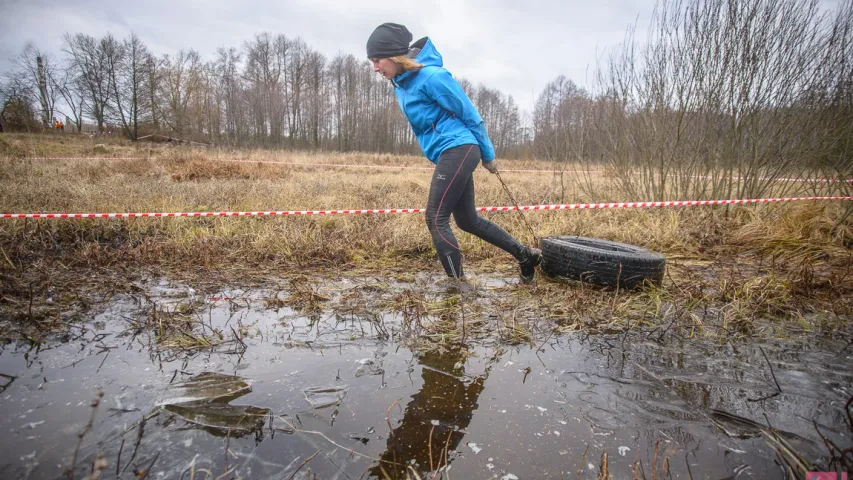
x=274 y=91
x=723 y=98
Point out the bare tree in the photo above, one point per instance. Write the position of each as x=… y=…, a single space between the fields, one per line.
x=229 y=93
x=181 y=80
x=264 y=74
x=33 y=77
x=127 y=62
x=296 y=79
x=88 y=57
x=154 y=72
x=16 y=108
x=315 y=64
x=708 y=105
x=71 y=87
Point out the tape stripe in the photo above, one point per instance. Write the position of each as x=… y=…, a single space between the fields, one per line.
x=574 y=206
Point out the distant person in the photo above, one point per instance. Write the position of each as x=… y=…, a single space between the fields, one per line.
x=452 y=135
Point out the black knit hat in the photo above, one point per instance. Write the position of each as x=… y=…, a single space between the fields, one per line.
x=388 y=40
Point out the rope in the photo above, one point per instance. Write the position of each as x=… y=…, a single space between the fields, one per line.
x=515 y=204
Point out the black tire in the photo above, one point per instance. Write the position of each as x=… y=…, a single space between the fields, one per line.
x=600 y=262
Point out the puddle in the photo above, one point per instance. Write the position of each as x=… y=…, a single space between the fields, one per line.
x=283 y=382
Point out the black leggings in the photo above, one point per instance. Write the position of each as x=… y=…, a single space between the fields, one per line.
x=452 y=191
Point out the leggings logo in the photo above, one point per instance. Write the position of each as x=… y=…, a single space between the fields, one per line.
x=825 y=476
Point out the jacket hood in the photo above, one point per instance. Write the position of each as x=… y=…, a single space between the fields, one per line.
x=428 y=56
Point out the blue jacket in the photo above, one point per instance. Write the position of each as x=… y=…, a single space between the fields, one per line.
x=440 y=113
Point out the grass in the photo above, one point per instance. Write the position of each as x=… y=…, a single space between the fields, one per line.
x=180 y=330
x=742 y=270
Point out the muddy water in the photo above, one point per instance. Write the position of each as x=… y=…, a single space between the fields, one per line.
x=332 y=386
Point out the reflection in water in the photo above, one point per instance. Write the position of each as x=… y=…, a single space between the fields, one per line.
x=441 y=410
x=218 y=418
x=204 y=400
x=207 y=386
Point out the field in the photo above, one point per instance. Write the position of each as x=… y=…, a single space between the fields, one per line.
x=740 y=275
x=755 y=267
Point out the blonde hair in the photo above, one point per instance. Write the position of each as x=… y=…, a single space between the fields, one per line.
x=407 y=63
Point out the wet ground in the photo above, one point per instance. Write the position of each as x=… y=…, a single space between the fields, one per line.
x=249 y=384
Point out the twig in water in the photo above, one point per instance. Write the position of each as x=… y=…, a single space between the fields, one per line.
x=142 y=475
x=415 y=473
x=238 y=338
x=99 y=465
x=778 y=388
x=227 y=446
x=82 y=434
x=642 y=470
x=835 y=453
x=140 y=430
x=655 y=462
x=222 y=477
x=771 y=369
x=391 y=432
x=102 y=362
x=580 y=467
x=540 y=348
x=431 y=466
x=849 y=414
x=387 y=413
x=446 y=461
x=603 y=473
x=303 y=464
x=784 y=450
x=321 y=434
x=11 y=379
x=118 y=460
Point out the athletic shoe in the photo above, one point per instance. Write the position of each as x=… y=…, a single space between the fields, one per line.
x=529 y=264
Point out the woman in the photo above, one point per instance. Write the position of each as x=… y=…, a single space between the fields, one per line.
x=452 y=135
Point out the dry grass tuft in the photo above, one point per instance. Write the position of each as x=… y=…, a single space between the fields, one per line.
x=305 y=295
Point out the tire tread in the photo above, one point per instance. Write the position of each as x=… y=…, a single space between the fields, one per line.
x=599 y=261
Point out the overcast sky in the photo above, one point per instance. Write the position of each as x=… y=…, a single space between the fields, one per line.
x=516 y=46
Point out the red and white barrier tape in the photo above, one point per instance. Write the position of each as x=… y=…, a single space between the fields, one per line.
x=818 y=180
x=573 y=206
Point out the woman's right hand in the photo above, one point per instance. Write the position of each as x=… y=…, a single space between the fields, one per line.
x=491 y=166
